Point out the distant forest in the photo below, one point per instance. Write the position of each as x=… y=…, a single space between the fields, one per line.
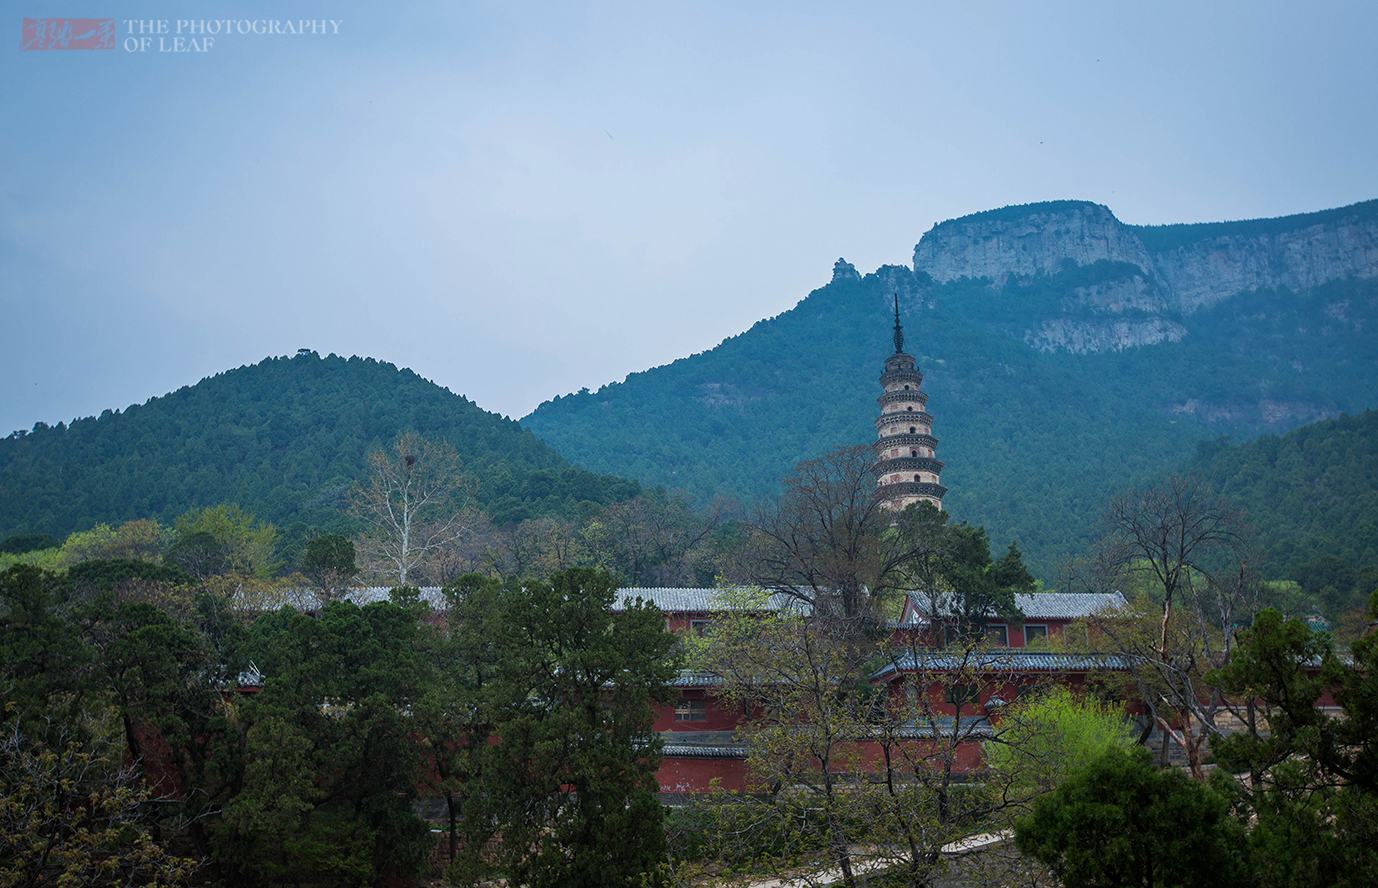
x=1033 y=442
x=284 y=439
x=1310 y=492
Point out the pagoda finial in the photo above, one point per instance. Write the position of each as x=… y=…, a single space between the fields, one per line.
x=899 y=330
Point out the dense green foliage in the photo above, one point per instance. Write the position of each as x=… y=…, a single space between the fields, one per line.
x=1308 y=786
x=325 y=770
x=1033 y=441
x=19 y=543
x=285 y=439
x=313 y=778
x=106 y=574
x=1120 y=821
x=1310 y=493
x=1055 y=733
x=569 y=783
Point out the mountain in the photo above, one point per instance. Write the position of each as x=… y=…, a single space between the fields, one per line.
x=284 y=439
x=1066 y=355
x=1311 y=493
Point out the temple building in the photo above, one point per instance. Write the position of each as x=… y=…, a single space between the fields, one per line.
x=906 y=471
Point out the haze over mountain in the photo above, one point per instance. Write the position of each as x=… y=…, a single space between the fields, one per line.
x=284 y=439
x=1067 y=354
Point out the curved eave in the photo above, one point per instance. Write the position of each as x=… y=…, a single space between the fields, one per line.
x=911 y=488
x=909 y=464
x=903 y=396
x=907 y=440
x=894 y=415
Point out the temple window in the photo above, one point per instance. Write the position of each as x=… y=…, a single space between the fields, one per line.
x=691 y=710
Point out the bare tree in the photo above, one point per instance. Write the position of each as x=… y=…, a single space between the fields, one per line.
x=829 y=539
x=533 y=549
x=415 y=501
x=654 y=538
x=858 y=776
x=820 y=541
x=1188 y=553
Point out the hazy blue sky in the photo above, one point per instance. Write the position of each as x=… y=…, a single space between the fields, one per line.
x=518 y=199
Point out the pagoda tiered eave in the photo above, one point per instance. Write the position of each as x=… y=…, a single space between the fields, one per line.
x=919 y=417
x=902 y=396
x=907 y=440
x=913 y=377
x=909 y=464
x=921 y=489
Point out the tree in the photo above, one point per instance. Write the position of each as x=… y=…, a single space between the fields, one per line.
x=43 y=663
x=21 y=543
x=414 y=501
x=1188 y=553
x=1309 y=780
x=223 y=538
x=803 y=692
x=459 y=711
x=198 y=553
x=569 y=783
x=535 y=548
x=73 y=813
x=328 y=562
x=324 y=764
x=1047 y=738
x=822 y=540
x=143 y=540
x=1119 y=821
x=107 y=574
x=653 y=538
x=850 y=776
x=949 y=568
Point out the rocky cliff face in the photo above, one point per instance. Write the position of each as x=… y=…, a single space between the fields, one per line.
x=1029 y=240
x=1165 y=272
x=1207 y=271
x=1083 y=336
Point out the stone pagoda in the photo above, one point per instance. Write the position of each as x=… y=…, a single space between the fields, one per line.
x=906 y=471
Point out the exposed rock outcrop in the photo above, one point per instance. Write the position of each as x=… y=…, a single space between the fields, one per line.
x=1134 y=293
x=1175 y=270
x=1080 y=336
x=1027 y=240
x=844 y=270
x=1209 y=270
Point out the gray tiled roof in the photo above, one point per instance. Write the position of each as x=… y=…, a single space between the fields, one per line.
x=695 y=678
x=697 y=600
x=1053 y=605
x=307 y=600
x=1066 y=605
x=1002 y=660
x=679 y=750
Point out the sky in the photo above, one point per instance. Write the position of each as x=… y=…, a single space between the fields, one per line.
x=517 y=200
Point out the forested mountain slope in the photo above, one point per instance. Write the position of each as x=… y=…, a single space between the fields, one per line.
x=1066 y=354
x=1311 y=493
x=284 y=439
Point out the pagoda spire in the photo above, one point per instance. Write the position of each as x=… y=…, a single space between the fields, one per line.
x=899 y=330
x=907 y=469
